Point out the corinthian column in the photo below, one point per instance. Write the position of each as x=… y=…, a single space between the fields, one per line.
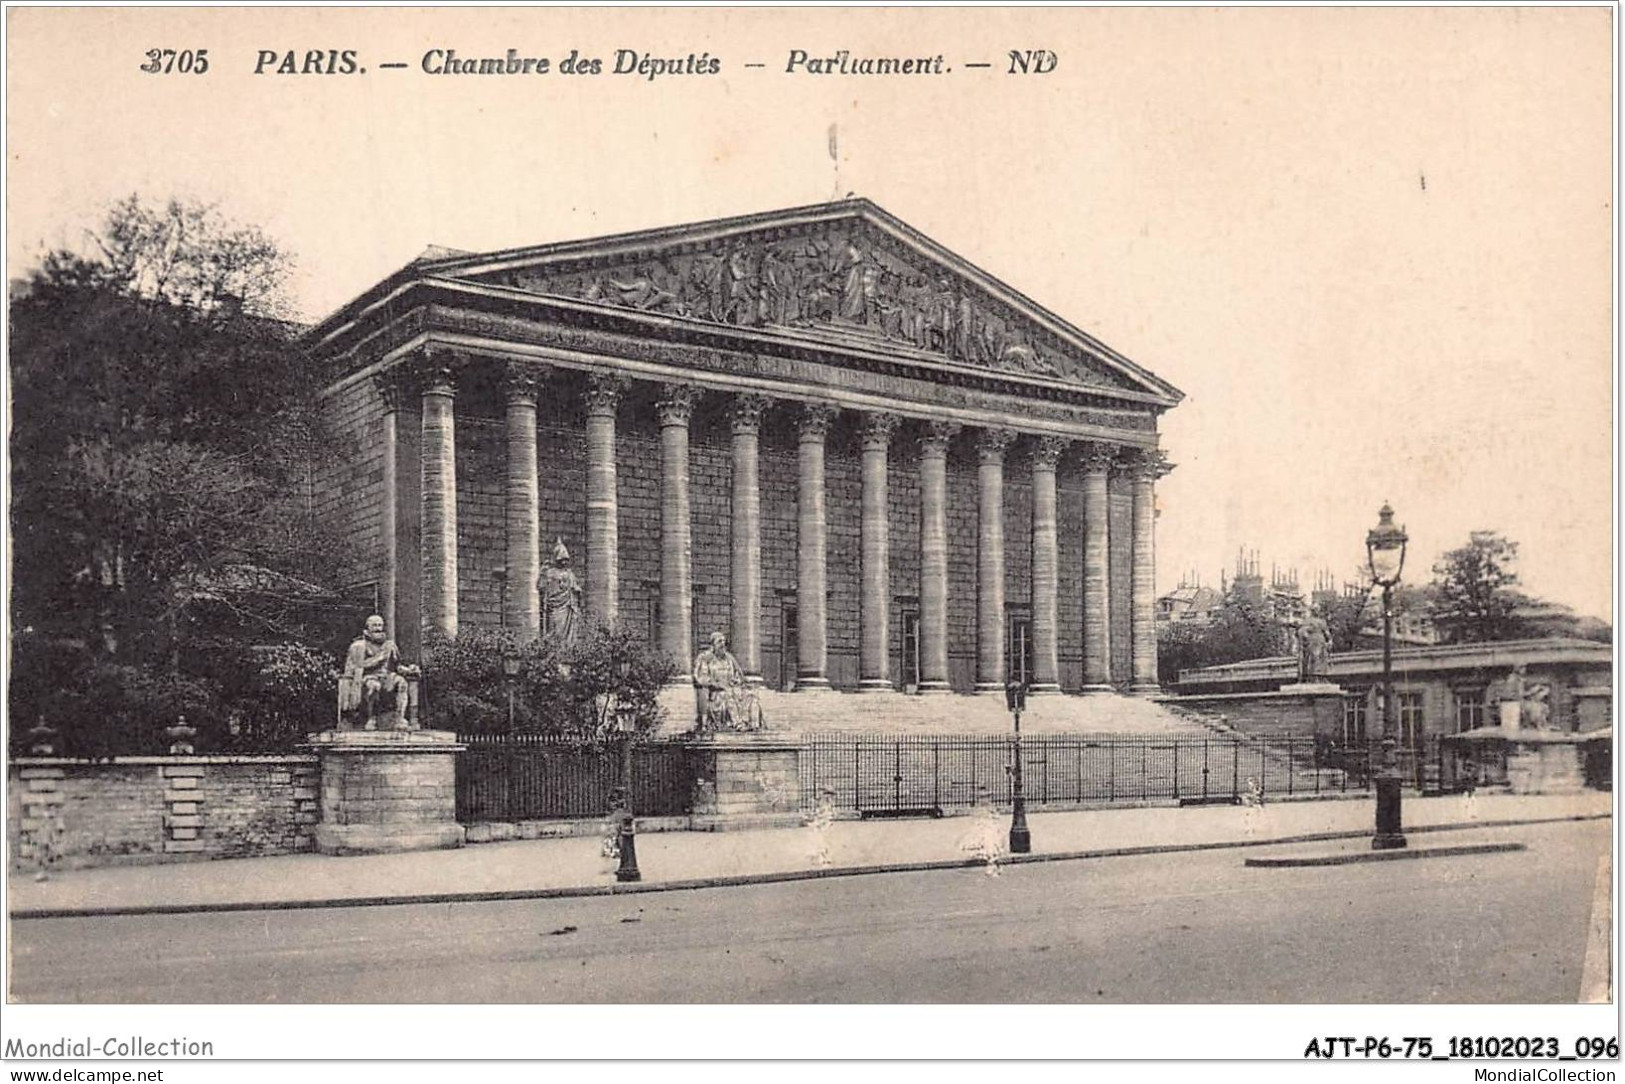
x=603 y=544
x=522 y=607
x=1097 y=665
x=1047 y=453
x=874 y=673
x=439 y=511
x=391 y=391
x=811 y=547
x=746 y=592
x=934 y=555
x=674 y=409
x=1148 y=467
x=990 y=634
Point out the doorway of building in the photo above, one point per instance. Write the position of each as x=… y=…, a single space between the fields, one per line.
x=911 y=651
x=789 y=648
x=1019 y=653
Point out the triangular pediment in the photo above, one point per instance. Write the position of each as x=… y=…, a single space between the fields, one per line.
x=847 y=274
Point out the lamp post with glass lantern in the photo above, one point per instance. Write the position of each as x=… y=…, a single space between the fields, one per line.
x=626 y=725
x=1385 y=552
x=1021 y=840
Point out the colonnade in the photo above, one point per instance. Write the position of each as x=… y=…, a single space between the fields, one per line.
x=435 y=384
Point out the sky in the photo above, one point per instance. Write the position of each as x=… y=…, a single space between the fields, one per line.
x=1373 y=247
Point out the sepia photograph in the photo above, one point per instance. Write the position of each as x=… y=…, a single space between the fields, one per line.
x=1102 y=512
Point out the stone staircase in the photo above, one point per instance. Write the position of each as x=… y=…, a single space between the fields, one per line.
x=831 y=712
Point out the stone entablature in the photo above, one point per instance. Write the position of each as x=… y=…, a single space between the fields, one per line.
x=427 y=355
x=469 y=320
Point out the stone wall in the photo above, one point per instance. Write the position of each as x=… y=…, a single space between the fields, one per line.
x=348 y=485
x=1268 y=716
x=155 y=809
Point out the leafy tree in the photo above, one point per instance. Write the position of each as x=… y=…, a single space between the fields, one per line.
x=1345 y=616
x=1473 y=596
x=1242 y=629
x=163 y=426
x=1180 y=646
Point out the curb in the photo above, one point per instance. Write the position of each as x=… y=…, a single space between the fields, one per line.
x=1348 y=858
x=737 y=880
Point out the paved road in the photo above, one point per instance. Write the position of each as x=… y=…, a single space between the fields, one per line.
x=1168 y=928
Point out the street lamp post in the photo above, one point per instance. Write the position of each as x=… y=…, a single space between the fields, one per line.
x=1385 y=551
x=626 y=843
x=1021 y=840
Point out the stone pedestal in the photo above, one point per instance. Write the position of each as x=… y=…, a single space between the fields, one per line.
x=1552 y=766
x=749 y=776
x=387 y=790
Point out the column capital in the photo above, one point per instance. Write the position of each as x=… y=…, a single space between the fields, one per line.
x=436 y=372
x=936 y=436
x=393 y=386
x=1047 y=451
x=676 y=404
x=1141 y=464
x=991 y=443
x=519 y=384
x=745 y=413
x=878 y=428
x=1150 y=464
x=1098 y=458
x=815 y=421
x=603 y=394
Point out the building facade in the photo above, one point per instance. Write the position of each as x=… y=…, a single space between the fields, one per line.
x=1441 y=689
x=872 y=464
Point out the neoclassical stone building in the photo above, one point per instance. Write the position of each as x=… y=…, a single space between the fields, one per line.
x=873 y=464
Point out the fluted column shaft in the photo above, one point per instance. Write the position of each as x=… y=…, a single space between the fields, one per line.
x=1148 y=467
x=874 y=670
x=746 y=592
x=439 y=511
x=675 y=408
x=389 y=390
x=990 y=620
x=1046 y=579
x=934 y=556
x=603 y=544
x=812 y=544
x=522 y=607
x=1097 y=671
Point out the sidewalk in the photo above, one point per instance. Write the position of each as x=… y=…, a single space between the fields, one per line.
x=562 y=867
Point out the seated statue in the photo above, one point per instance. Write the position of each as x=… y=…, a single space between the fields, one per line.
x=722 y=700
x=375 y=690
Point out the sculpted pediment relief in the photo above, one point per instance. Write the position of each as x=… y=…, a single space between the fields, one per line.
x=846 y=283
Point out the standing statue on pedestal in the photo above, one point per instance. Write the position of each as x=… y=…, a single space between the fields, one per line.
x=1506 y=698
x=561 y=599
x=1314 y=647
x=722 y=701
x=374 y=693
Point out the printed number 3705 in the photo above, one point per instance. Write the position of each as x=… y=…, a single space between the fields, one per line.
x=187 y=61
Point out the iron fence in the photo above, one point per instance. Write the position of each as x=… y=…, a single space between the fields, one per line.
x=503 y=777
x=536 y=777
x=890 y=775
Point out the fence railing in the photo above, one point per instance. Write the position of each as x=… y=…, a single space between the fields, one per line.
x=517 y=777
x=902 y=775
x=537 y=777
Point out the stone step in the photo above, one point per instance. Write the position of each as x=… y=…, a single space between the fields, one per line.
x=827 y=711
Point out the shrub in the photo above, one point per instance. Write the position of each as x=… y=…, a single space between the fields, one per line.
x=561 y=691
